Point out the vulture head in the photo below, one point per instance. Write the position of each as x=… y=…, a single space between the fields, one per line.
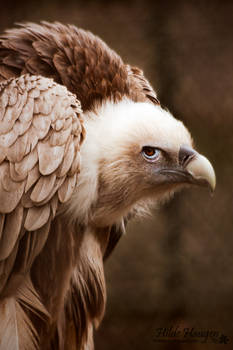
x=84 y=147
x=134 y=155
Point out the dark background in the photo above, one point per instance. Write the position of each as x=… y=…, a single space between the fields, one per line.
x=176 y=268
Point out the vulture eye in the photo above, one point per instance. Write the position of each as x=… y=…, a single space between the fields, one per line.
x=150 y=153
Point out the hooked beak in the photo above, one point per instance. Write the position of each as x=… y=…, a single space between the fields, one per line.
x=198 y=166
x=193 y=168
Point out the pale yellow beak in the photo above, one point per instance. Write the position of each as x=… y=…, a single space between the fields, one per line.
x=202 y=170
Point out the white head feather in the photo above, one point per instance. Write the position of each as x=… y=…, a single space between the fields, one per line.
x=111 y=133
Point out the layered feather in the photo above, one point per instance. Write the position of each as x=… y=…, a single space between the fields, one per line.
x=17 y=331
x=74 y=57
x=40 y=133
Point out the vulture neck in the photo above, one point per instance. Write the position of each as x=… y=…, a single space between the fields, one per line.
x=87 y=205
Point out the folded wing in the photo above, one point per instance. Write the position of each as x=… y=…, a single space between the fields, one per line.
x=40 y=135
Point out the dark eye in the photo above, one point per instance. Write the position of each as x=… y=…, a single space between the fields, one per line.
x=150 y=153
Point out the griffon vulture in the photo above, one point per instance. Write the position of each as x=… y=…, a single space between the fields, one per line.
x=84 y=146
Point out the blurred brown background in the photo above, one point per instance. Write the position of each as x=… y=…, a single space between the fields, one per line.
x=177 y=268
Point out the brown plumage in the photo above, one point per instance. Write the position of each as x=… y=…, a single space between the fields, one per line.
x=78 y=159
x=72 y=57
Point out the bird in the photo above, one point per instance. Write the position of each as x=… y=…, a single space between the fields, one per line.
x=85 y=147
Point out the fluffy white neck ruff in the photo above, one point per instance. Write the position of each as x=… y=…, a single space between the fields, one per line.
x=104 y=132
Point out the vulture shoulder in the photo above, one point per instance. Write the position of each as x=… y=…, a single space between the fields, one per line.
x=75 y=58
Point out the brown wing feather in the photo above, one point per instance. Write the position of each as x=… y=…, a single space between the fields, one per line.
x=74 y=57
x=36 y=174
x=139 y=85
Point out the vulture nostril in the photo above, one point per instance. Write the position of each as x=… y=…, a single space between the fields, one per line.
x=186 y=153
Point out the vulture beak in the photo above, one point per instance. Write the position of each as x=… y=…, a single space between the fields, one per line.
x=197 y=167
x=193 y=168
